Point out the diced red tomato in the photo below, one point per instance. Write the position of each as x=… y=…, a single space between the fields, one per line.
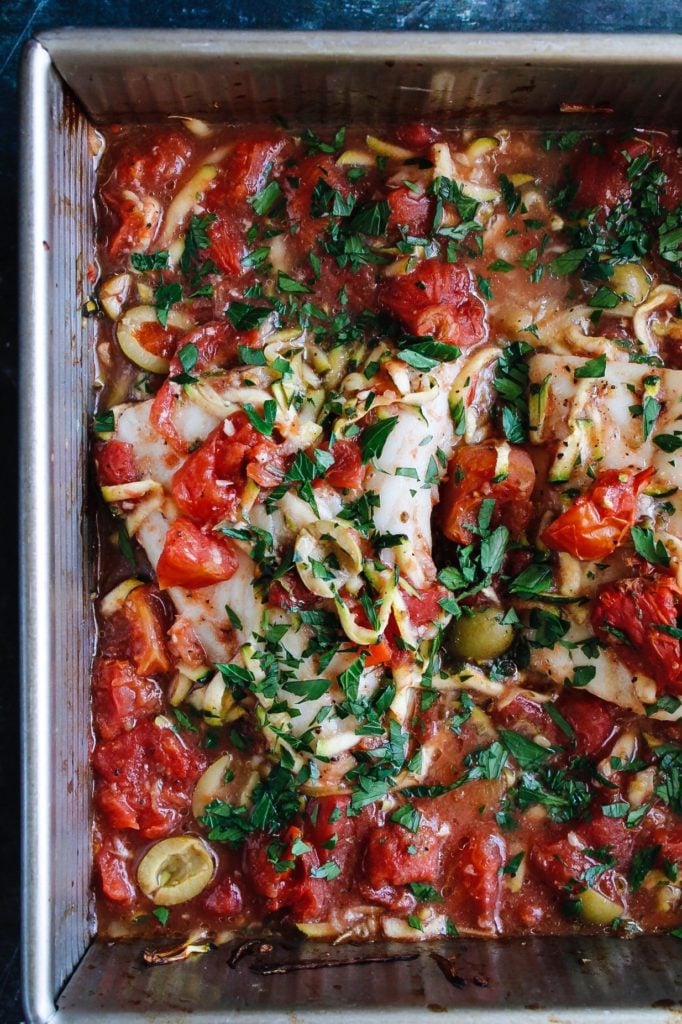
x=244 y=170
x=144 y=614
x=600 y=519
x=194 y=559
x=228 y=245
x=348 y=471
x=593 y=720
x=417 y=135
x=224 y=898
x=396 y=856
x=209 y=483
x=626 y=614
x=410 y=209
x=121 y=697
x=116 y=463
x=294 y=888
x=299 y=186
x=669 y=838
x=475 y=875
x=378 y=654
x=146 y=778
x=437 y=299
x=424 y=608
x=602 y=831
x=151 y=161
x=471 y=479
x=562 y=865
x=602 y=177
x=290 y=592
x=111 y=861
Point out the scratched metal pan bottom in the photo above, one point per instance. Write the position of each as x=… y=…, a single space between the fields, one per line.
x=73 y=80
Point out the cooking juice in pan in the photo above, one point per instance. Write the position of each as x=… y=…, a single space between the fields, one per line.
x=390 y=591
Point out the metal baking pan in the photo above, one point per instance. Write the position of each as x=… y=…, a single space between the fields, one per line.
x=73 y=79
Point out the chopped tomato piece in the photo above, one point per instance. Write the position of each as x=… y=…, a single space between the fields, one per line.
x=111 y=860
x=410 y=209
x=292 y=888
x=121 y=697
x=224 y=899
x=150 y=162
x=244 y=171
x=228 y=245
x=116 y=463
x=209 y=483
x=378 y=654
x=601 y=178
x=194 y=559
x=417 y=135
x=424 y=607
x=348 y=470
x=184 y=644
x=600 y=519
x=437 y=299
x=593 y=720
x=396 y=856
x=471 y=478
x=563 y=865
x=627 y=615
x=146 y=778
x=291 y=592
x=144 y=614
x=475 y=873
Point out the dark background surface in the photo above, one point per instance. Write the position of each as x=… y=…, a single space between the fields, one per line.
x=19 y=20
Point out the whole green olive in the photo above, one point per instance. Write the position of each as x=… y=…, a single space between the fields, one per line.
x=480 y=636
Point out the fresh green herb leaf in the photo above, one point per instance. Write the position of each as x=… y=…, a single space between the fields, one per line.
x=646 y=545
x=592 y=368
x=144 y=261
x=263 y=424
x=373 y=439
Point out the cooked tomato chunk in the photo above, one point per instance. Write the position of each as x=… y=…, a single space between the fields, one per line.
x=194 y=559
x=636 y=617
x=121 y=697
x=437 y=299
x=600 y=519
x=472 y=477
x=396 y=856
x=146 y=779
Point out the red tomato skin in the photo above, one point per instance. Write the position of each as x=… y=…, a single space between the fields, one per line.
x=225 y=898
x=470 y=480
x=600 y=519
x=593 y=721
x=417 y=135
x=151 y=162
x=294 y=889
x=193 y=559
x=562 y=863
x=388 y=861
x=121 y=697
x=146 y=778
x=602 y=177
x=348 y=472
x=411 y=210
x=199 y=490
x=437 y=299
x=308 y=172
x=116 y=463
x=424 y=608
x=635 y=607
x=475 y=871
x=111 y=864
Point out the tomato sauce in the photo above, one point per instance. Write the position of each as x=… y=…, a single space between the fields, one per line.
x=390 y=601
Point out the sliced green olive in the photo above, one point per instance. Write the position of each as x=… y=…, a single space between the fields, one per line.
x=598 y=909
x=480 y=636
x=175 y=870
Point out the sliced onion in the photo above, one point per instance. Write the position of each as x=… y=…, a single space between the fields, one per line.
x=318 y=541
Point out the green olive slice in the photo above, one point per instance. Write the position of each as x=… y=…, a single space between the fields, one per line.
x=480 y=636
x=175 y=870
